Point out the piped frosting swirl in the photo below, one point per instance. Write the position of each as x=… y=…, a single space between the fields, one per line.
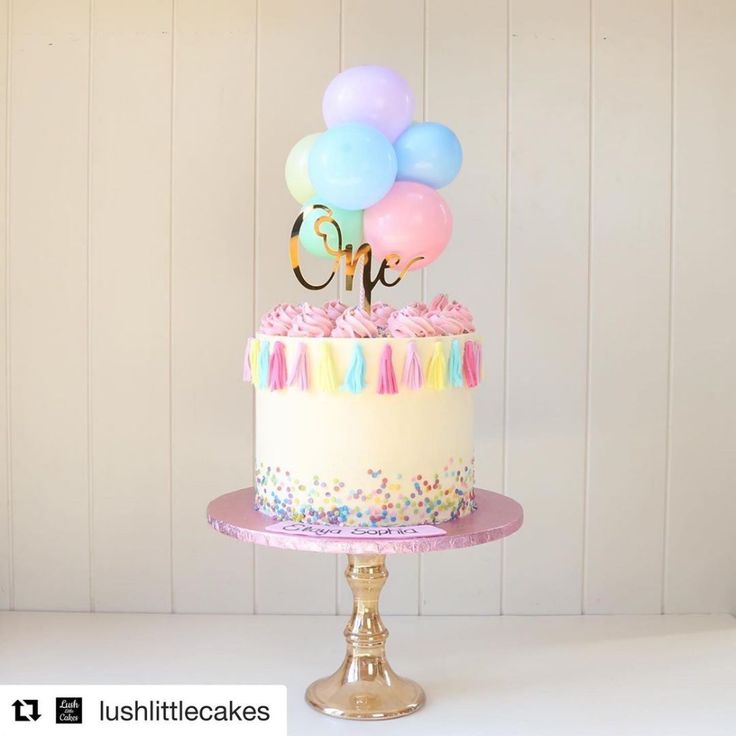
x=446 y=322
x=334 y=308
x=408 y=323
x=417 y=307
x=355 y=322
x=279 y=320
x=462 y=313
x=380 y=312
x=439 y=302
x=311 y=322
x=335 y=319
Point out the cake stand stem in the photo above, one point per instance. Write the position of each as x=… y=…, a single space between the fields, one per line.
x=365 y=687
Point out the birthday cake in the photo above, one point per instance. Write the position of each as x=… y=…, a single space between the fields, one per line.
x=364 y=414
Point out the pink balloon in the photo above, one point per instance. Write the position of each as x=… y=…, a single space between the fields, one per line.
x=411 y=220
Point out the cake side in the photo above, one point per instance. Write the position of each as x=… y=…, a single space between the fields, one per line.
x=364 y=457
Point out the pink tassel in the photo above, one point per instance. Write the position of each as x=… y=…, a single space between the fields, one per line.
x=247 y=375
x=478 y=360
x=470 y=364
x=277 y=367
x=299 y=374
x=413 y=375
x=386 y=375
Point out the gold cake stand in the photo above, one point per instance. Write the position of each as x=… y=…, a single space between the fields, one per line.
x=365 y=687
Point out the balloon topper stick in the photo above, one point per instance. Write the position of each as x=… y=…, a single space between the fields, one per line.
x=347 y=254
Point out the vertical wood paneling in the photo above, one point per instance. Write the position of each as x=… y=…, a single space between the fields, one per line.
x=547 y=302
x=298 y=54
x=5 y=514
x=131 y=124
x=48 y=298
x=629 y=276
x=466 y=89
x=700 y=550
x=146 y=235
x=212 y=265
x=391 y=34
x=5 y=537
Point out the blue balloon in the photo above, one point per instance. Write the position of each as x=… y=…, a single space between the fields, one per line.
x=352 y=166
x=428 y=153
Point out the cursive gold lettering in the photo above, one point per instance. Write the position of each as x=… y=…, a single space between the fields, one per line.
x=346 y=254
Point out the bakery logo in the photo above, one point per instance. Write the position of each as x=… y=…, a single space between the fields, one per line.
x=68 y=710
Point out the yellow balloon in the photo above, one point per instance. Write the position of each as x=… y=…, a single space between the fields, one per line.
x=297 y=169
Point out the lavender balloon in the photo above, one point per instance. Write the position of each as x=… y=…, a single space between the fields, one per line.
x=372 y=95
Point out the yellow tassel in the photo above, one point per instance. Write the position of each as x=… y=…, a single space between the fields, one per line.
x=326 y=377
x=437 y=368
x=255 y=373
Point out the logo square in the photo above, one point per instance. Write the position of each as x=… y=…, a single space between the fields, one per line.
x=68 y=710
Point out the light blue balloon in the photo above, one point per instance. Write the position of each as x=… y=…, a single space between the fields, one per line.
x=350 y=222
x=428 y=153
x=352 y=166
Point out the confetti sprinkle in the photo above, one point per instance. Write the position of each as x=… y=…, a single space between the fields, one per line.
x=447 y=495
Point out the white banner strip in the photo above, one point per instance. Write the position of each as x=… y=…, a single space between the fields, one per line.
x=139 y=710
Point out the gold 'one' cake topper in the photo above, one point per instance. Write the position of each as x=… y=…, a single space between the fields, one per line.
x=345 y=252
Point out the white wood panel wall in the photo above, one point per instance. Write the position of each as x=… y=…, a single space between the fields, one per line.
x=144 y=231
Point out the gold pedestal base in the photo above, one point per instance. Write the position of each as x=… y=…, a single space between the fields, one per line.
x=365 y=687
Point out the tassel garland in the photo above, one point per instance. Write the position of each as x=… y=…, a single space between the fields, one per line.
x=265 y=366
x=355 y=377
x=277 y=367
x=413 y=377
x=386 y=375
x=437 y=368
x=299 y=372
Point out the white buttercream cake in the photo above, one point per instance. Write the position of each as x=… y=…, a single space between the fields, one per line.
x=365 y=418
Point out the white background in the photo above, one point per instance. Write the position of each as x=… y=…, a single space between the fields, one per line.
x=145 y=226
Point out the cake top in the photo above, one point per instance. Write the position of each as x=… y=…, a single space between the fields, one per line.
x=441 y=317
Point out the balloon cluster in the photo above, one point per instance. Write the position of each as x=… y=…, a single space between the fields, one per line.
x=375 y=169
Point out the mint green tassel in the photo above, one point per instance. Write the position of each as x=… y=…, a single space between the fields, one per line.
x=355 y=377
x=455 y=367
x=263 y=365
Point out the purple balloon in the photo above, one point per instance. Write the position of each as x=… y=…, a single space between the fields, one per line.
x=372 y=95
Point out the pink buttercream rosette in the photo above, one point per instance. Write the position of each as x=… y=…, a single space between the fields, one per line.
x=355 y=322
x=407 y=322
x=279 y=320
x=334 y=308
x=311 y=322
x=380 y=312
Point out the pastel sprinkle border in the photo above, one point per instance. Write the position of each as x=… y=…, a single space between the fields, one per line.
x=383 y=500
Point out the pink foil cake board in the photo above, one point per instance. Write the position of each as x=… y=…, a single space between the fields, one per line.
x=497 y=516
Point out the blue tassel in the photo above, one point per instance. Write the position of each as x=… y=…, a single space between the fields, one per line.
x=455 y=367
x=263 y=358
x=355 y=377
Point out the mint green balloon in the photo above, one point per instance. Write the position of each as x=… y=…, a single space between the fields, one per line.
x=350 y=222
x=297 y=169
